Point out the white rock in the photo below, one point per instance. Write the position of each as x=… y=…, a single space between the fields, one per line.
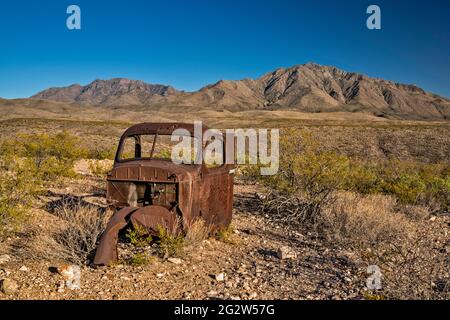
x=23 y=269
x=160 y=275
x=253 y=295
x=220 y=277
x=175 y=260
x=61 y=286
x=4 y=258
x=211 y=293
x=71 y=275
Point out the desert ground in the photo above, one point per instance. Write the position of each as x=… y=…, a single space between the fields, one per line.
x=262 y=256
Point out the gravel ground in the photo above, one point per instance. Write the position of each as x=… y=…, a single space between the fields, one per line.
x=247 y=268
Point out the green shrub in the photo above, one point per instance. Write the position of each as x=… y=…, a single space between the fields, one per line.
x=18 y=186
x=139 y=237
x=99 y=169
x=53 y=155
x=170 y=243
x=225 y=235
x=363 y=178
x=102 y=153
x=306 y=178
x=309 y=172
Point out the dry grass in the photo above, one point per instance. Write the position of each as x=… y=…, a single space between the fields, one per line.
x=371 y=219
x=197 y=231
x=85 y=226
x=100 y=168
x=77 y=237
x=416 y=268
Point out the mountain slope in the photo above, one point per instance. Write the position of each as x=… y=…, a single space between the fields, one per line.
x=117 y=92
x=307 y=88
x=316 y=88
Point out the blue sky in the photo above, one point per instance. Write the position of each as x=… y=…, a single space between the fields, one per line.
x=191 y=43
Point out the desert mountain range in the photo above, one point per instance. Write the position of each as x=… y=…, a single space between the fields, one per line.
x=306 y=88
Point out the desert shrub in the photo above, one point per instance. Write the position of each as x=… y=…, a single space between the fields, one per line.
x=99 y=168
x=139 y=237
x=415 y=268
x=306 y=179
x=170 y=242
x=410 y=182
x=52 y=155
x=363 y=178
x=363 y=220
x=226 y=235
x=102 y=153
x=84 y=226
x=18 y=187
x=308 y=176
x=197 y=231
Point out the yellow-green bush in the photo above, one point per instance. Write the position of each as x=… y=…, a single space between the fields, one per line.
x=52 y=155
x=99 y=169
x=170 y=243
x=18 y=186
x=308 y=170
x=139 y=237
x=102 y=153
x=225 y=235
x=409 y=182
x=303 y=167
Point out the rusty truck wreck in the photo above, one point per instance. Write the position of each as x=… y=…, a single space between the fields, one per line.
x=146 y=189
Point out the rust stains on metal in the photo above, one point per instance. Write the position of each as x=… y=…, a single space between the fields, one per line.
x=152 y=192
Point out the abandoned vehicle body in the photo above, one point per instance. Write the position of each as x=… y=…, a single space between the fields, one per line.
x=146 y=189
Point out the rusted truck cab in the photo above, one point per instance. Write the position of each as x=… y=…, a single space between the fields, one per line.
x=146 y=188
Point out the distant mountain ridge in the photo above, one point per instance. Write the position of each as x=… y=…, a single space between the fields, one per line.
x=117 y=91
x=307 y=88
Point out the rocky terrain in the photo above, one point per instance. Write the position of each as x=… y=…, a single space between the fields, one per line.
x=308 y=88
x=261 y=260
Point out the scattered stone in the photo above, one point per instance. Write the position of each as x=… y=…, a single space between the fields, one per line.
x=23 y=269
x=285 y=253
x=125 y=278
x=212 y=293
x=174 y=260
x=4 y=258
x=252 y=295
x=220 y=277
x=61 y=286
x=9 y=286
x=71 y=275
x=160 y=275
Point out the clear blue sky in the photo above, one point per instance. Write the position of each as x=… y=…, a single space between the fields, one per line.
x=190 y=43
